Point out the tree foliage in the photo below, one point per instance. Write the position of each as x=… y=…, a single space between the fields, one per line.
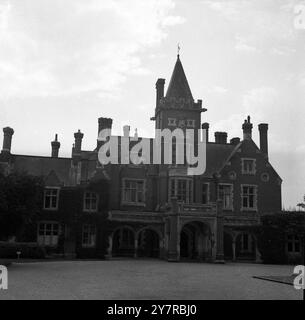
x=21 y=197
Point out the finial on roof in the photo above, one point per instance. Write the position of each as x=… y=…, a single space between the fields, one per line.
x=178 y=50
x=56 y=137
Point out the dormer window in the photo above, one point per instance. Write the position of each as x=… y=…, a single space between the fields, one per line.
x=172 y=121
x=248 y=166
x=51 y=196
x=90 y=201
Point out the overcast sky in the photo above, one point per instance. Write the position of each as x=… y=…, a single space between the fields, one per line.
x=63 y=64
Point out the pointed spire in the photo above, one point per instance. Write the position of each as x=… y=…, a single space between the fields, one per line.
x=178 y=86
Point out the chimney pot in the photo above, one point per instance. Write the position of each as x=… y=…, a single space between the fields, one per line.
x=263 y=138
x=7 y=139
x=205 y=126
x=55 y=147
x=247 y=129
x=221 y=137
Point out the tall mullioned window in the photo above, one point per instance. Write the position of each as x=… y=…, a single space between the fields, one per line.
x=89 y=236
x=90 y=201
x=249 y=197
x=225 y=193
x=182 y=189
x=205 y=193
x=51 y=196
x=293 y=244
x=133 y=191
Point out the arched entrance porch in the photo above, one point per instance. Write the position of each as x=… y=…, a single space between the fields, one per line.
x=123 y=242
x=148 y=243
x=195 y=241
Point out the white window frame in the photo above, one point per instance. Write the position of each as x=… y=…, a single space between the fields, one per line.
x=57 y=198
x=188 y=189
x=91 y=241
x=255 y=194
x=90 y=199
x=243 y=169
x=230 y=206
x=125 y=201
x=53 y=238
x=172 y=121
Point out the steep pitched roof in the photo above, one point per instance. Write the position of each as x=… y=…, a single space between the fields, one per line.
x=217 y=154
x=44 y=166
x=178 y=86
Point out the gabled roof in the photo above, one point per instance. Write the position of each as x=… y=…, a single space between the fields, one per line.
x=44 y=166
x=178 y=86
x=216 y=155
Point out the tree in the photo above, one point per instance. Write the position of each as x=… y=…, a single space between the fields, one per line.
x=301 y=205
x=21 y=197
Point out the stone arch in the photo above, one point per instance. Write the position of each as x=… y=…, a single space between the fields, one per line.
x=123 y=241
x=148 y=242
x=195 y=240
x=245 y=243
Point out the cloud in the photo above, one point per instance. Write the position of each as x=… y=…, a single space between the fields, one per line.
x=260 y=101
x=258 y=25
x=65 y=47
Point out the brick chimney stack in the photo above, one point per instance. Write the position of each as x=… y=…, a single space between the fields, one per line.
x=55 y=147
x=160 y=90
x=263 y=138
x=78 y=141
x=221 y=137
x=7 y=139
x=247 y=129
x=104 y=123
x=205 y=126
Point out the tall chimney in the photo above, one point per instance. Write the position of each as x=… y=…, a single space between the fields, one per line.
x=78 y=141
x=104 y=123
x=160 y=90
x=221 y=137
x=7 y=139
x=247 y=129
x=205 y=126
x=55 y=147
x=263 y=138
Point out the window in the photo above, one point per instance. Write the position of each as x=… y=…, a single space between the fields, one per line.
x=248 y=166
x=90 y=201
x=182 y=189
x=205 y=193
x=249 y=197
x=133 y=191
x=171 y=121
x=89 y=236
x=48 y=234
x=51 y=198
x=225 y=193
x=191 y=123
x=293 y=244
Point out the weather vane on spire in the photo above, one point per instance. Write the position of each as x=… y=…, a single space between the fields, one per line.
x=178 y=49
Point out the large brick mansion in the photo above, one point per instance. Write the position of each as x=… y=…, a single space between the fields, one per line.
x=148 y=210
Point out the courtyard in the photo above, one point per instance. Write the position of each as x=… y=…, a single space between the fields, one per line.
x=145 y=279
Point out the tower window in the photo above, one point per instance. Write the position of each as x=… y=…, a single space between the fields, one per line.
x=191 y=123
x=171 y=121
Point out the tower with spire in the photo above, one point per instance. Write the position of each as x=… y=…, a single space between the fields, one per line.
x=177 y=108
